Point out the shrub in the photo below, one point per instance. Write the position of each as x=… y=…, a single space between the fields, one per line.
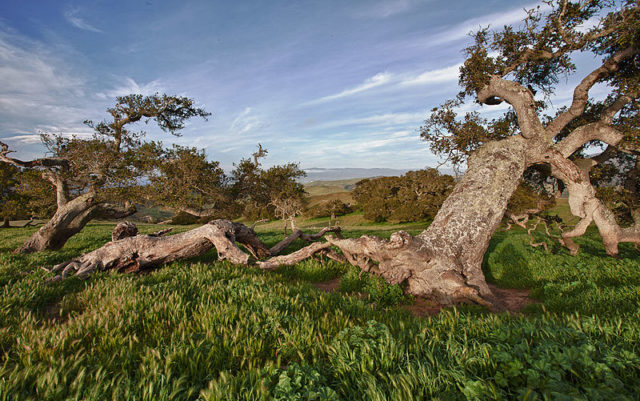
x=335 y=207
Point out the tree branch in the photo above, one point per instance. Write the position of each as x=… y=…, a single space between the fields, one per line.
x=590 y=132
x=581 y=92
x=520 y=98
x=42 y=162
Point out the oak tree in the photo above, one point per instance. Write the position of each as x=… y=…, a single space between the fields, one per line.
x=92 y=177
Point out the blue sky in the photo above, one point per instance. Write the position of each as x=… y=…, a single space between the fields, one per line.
x=323 y=83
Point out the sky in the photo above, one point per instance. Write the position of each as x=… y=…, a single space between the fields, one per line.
x=326 y=84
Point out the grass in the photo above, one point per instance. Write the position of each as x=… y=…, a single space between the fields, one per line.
x=202 y=329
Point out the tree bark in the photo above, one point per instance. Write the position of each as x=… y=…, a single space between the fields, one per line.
x=134 y=253
x=70 y=219
x=444 y=262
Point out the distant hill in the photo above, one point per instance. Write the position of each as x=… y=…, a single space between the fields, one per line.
x=325 y=187
x=333 y=174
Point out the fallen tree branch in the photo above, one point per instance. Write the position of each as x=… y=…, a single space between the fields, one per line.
x=130 y=252
x=280 y=246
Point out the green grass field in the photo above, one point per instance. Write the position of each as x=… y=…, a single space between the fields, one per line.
x=201 y=329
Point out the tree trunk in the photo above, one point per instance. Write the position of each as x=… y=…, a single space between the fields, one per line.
x=69 y=220
x=445 y=261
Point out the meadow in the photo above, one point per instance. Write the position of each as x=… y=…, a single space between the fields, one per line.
x=202 y=329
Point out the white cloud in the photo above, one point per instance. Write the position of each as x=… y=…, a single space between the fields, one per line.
x=375 y=81
x=434 y=76
x=71 y=15
x=37 y=88
x=386 y=8
x=495 y=20
x=247 y=122
x=130 y=86
x=32 y=139
x=387 y=119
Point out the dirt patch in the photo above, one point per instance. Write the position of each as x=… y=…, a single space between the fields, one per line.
x=511 y=299
x=328 y=286
x=422 y=307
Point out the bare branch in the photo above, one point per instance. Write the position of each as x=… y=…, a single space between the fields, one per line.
x=42 y=162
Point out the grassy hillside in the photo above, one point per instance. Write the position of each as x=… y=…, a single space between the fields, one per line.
x=330 y=187
x=201 y=329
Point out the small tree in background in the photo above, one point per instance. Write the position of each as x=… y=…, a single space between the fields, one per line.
x=415 y=196
x=256 y=188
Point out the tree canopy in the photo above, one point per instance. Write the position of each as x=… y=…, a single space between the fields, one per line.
x=415 y=196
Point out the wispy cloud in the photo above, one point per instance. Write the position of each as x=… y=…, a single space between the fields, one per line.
x=130 y=86
x=397 y=80
x=375 y=81
x=494 y=20
x=33 y=139
x=247 y=121
x=434 y=76
x=379 y=120
x=71 y=15
x=37 y=90
x=386 y=8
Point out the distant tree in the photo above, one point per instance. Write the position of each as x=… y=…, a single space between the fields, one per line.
x=286 y=208
x=186 y=181
x=331 y=209
x=256 y=188
x=94 y=177
x=415 y=196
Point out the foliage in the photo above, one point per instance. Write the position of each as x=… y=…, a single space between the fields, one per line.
x=185 y=180
x=415 y=196
x=256 y=189
x=526 y=199
x=24 y=193
x=617 y=183
x=12 y=203
x=38 y=193
x=334 y=207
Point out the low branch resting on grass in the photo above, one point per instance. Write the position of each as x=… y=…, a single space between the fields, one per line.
x=129 y=252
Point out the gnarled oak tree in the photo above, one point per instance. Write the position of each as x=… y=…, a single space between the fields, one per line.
x=88 y=174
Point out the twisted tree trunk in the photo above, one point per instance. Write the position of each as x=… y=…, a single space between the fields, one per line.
x=444 y=262
x=70 y=218
x=129 y=252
